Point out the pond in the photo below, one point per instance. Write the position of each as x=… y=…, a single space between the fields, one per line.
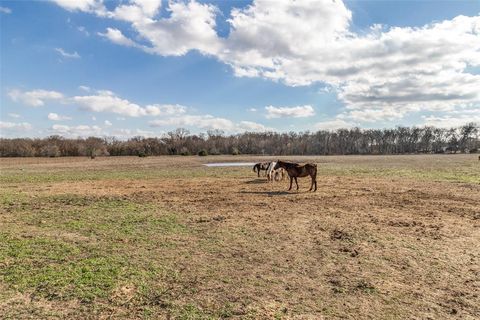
x=229 y=164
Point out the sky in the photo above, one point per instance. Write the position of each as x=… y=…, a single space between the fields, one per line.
x=145 y=67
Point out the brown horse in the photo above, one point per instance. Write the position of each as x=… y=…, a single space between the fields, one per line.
x=261 y=166
x=296 y=170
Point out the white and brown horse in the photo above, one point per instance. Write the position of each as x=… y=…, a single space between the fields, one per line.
x=275 y=174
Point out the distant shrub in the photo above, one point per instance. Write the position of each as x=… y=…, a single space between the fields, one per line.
x=142 y=154
x=235 y=151
x=50 y=150
x=185 y=152
x=214 y=151
x=203 y=153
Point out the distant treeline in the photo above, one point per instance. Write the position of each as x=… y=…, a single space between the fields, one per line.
x=401 y=140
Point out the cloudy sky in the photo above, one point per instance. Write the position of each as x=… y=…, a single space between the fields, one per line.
x=144 y=67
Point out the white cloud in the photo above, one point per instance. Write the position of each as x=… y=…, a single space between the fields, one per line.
x=14 y=115
x=333 y=125
x=107 y=101
x=138 y=10
x=191 y=26
x=252 y=109
x=166 y=109
x=209 y=122
x=253 y=127
x=66 y=54
x=107 y=123
x=34 y=98
x=383 y=73
x=129 y=133
x=116 y=36
x=289 y=112
x=91 y=6
x=198 y=121
x=5 y=10
x=99 y=101
x=76 y=131
x=16 y=126
x=83 y=30
x=56 y=117
x=374 y=115
x=452 y=120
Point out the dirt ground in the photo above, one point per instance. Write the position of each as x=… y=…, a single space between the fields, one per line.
x=384 y=237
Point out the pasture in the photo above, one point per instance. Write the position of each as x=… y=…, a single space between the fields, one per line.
x=383 y=237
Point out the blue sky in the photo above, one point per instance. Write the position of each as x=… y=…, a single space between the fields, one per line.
x=79 y=68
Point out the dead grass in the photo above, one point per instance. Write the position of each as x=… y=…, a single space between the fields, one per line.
x=164 y=237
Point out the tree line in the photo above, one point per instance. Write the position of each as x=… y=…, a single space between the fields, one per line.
x=399 y=140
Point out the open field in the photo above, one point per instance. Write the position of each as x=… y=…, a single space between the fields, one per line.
x=384 y=237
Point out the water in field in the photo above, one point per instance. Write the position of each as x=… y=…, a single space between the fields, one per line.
x=229 y=164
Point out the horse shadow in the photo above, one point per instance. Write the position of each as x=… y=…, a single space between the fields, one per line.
x=256 y=181
x=268 y=193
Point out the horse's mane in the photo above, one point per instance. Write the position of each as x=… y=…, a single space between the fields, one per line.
x=288 y=164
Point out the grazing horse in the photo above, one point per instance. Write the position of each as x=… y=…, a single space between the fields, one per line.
x=296 y=170
x=275 y=175
x=261 y=166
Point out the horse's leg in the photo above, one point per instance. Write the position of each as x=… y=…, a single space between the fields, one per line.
x=258 y=173
x=296 y=182
x=291 y=180
x=311 y=184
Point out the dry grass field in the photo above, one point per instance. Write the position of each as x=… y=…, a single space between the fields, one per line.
x=384 y=237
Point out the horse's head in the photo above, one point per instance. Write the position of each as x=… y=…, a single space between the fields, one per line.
x=277 y=165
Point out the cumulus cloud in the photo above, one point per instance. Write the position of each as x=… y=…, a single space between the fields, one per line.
x=253 y=127
x=190 y=26
x=333 y=124
x=98 y=101
x=107 y=101
x=199 y=121
x=116 y=36
x=66 y=54
x=129 y=133
x=453 y=119
x=76 y=131
x=289 y=112
x=91 y=6
x=374 y=115
x=15 y=125
x=107 y=123
x=14 y=115
x=165 y=109
x=56 y=117
x=15 y=129
x=83 y=30
x=5 y=10
x=384 y=73
x=34 y=98
x=208 y=122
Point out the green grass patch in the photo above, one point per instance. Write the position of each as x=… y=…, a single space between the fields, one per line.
x=55 y=269
x=15 y=176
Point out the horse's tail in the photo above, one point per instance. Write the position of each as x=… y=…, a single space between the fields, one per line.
x=255 y=167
